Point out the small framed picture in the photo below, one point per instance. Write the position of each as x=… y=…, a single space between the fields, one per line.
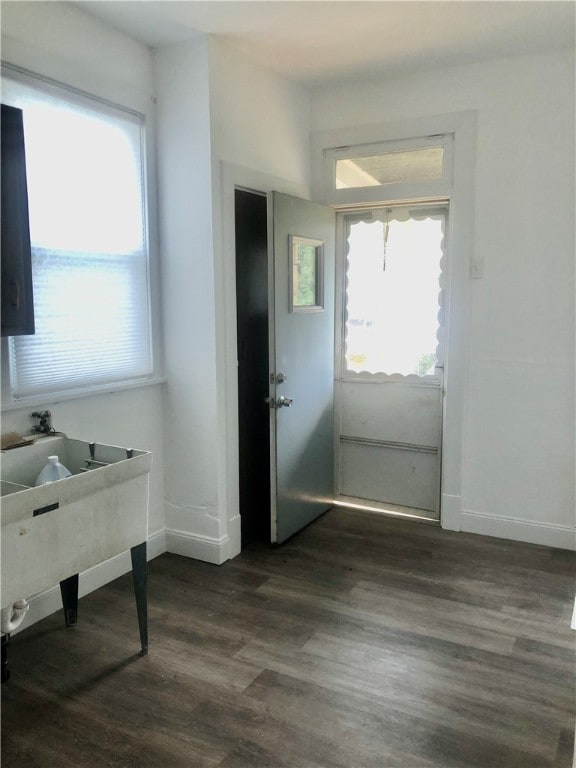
x=306 y=274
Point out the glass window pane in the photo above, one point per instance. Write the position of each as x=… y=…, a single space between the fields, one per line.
x=89 y=255
x=84 y=180
x=393 y=295
x=83 y=168
x=390 y=168
x=304 y=275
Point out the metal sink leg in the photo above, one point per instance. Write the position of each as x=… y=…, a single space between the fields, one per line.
x=138 y=554
x=69 y=592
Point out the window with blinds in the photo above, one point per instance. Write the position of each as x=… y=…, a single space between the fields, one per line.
x=84 y=166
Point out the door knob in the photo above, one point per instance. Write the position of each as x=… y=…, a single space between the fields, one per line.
x=284 y=401
x=281 y=378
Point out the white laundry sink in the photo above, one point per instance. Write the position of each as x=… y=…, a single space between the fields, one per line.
x=55 y=531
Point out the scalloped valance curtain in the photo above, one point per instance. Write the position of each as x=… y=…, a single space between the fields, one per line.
x=393 y=317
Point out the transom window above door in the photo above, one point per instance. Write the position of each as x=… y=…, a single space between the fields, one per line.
x=390 y=168
x=392 y=324
x=399 y=170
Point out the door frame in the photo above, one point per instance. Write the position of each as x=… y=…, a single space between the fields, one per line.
x=465 y=265
x=230 y=178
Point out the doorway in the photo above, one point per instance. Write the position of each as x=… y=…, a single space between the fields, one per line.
x=252 y=319
x=391 y=357
x=285 y=365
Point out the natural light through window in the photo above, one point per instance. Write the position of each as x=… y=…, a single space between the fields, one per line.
x=393 y=293
x=84 y=168
x=390 y=168
x=84 y=194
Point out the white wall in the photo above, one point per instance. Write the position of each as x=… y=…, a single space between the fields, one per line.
x=260 y=140
x=260 y=120
x=62 y=42
x=214 y=106
x=518 y=465
x=194 y=511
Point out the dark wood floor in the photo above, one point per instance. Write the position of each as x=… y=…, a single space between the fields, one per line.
x=362 y=642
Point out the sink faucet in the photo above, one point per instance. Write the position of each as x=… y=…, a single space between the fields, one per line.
x=44 y=427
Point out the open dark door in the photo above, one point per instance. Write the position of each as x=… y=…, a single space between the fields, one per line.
x=302 y=363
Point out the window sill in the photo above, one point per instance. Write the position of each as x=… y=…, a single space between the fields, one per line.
x=53 y=398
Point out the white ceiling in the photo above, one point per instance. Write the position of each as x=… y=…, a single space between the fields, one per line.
x=317 y=42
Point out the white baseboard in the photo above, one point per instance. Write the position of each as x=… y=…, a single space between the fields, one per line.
x=451 y=512
x=454 y=518
x=558 y=536
x=46 y=603
x=156 y=545
x=234 y=537
x=206 y=548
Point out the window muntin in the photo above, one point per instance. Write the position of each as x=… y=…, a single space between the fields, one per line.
x=89 y=250
x=393 y=297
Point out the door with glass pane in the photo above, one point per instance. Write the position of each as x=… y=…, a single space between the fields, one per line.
x=391 y=356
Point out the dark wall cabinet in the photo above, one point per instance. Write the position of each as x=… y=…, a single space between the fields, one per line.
x=17 y=298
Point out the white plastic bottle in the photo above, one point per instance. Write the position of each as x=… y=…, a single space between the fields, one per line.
x=52 y=471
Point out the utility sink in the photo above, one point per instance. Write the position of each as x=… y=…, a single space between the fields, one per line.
x=52 y=533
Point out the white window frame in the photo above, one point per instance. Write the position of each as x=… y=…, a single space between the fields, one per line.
x=401 y=190
x=10 y=402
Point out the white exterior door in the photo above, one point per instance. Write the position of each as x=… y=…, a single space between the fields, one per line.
x=301 y=393
x=391 y=352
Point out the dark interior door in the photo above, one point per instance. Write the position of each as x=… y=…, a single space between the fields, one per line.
x=253 y=368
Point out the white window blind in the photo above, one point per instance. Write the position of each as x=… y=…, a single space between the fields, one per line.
x=89 y=254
